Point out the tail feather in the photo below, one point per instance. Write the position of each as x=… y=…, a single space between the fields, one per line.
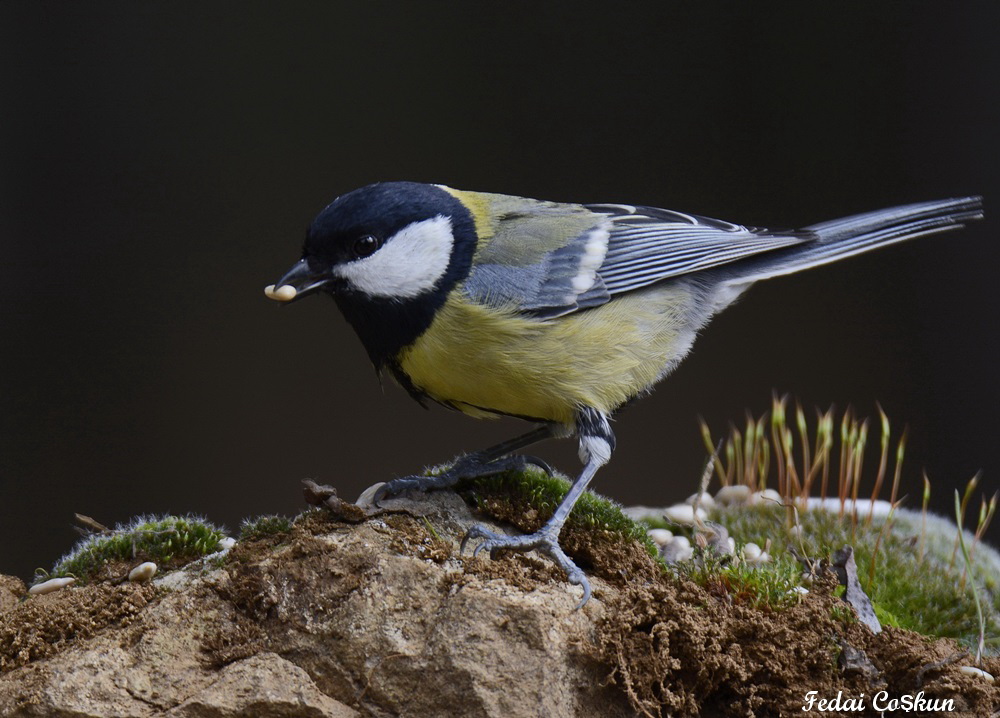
x=847 y=236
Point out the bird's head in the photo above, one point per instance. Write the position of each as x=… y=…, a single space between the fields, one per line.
x=392 y=241
x=389 y=253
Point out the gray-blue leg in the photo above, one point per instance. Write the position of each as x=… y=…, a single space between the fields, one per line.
x=488 y=462
x=596 y=444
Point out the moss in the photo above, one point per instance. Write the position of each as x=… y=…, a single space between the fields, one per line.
x=264 y=526
x=168 y=541
x=924 y=595
x=920 y=595
x=534 y=488
x=773 y=585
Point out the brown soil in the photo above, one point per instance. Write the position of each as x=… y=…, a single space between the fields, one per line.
x=44 y=625
x=677 y=650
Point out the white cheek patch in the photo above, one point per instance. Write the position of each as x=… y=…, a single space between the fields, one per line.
x=409 y=263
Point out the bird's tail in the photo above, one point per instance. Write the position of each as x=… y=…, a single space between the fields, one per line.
x=847 y=236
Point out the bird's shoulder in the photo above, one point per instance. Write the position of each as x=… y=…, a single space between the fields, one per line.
x=520 y=230
x=533 y=256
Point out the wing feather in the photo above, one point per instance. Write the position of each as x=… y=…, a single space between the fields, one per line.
x=648 y=245
x=547 y=259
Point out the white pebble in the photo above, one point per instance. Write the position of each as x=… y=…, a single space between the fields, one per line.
x=736 y=494
x=367 y=498
x=800 y=589
x=661 y=537
x=731 y=543
x=767 y=496
x=142 y=572
x=754 y=555
x=285 y=293
x=979 y=672
x=679 y=549
x=53 y=584
x=865 y=507
x=706 y=502
x=226 y=543
x=683 y=514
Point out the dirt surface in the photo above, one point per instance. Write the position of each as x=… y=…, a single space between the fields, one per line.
x=383 y=617
x=43 y=625
x=11 y=591
x=677 y=651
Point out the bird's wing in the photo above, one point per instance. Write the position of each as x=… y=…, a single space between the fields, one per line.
x=648 y=245
x=535 y=257
x=548 y=259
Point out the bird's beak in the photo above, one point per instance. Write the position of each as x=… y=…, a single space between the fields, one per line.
x=298 y=281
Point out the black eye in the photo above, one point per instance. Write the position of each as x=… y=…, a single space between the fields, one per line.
x=366 y=246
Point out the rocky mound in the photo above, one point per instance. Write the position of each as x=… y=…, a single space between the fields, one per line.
x=378 y=615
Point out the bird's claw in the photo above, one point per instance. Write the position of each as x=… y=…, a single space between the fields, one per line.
x=470 y=466
x=541 y=541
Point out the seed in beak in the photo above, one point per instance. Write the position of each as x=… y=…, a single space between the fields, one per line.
x=285 y=293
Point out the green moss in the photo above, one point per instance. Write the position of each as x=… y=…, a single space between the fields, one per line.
x=885 y=617
x=770 y=586
x=921 y=595
x=168 y=541
x=542 y=492
x=773 y=585
x=924 y=595
x=264 y=526
x=843 y=613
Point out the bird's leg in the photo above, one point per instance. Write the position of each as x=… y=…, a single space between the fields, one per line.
x=488 y=462
x=596 y=444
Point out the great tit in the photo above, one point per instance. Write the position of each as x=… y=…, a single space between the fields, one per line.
x=558 y=314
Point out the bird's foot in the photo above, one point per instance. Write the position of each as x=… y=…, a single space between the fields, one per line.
x=470 y=466
x=544 y=541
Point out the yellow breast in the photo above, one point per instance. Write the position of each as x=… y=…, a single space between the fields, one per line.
x=482 y=360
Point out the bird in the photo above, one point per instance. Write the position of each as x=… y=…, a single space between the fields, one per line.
x=555 y=313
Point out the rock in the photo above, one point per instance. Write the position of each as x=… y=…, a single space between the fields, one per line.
x=143 y=572
x=679 y=549
x=382 y=618
x=854 y=660
x=265 y=684
x=847 y=572
x=367 y=498
x=706 y=501
x=661 y=537
x=769 y=496
x=53 y=584
x=683 y=514
x=754 y=554
x=735 y=494
x=226 y=543
x=978 y=673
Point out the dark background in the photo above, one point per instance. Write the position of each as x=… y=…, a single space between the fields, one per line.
x=161 y=161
